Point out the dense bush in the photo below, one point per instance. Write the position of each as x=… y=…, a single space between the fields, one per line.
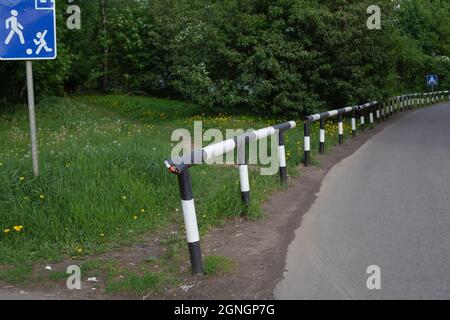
x=283 y=56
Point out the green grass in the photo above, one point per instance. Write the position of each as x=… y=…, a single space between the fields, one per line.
x=103 y=182
x=16 y=274
x=58 y=276
x=133 y=283
x=99 y=266
x=218 y=265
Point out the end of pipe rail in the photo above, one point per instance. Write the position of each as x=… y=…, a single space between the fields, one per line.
x=172 y=168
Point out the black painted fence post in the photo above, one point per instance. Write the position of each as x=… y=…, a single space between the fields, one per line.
x=282 y=157
x=322 y=136
x=377 y=110
x=307 y=143
x=362 y=119
x=340 y=129
x=243 y=170
x=386 y=106
x=190 y=221
x=353 y=122
x=371 y=118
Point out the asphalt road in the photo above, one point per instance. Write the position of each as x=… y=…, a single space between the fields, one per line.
x=386 y=205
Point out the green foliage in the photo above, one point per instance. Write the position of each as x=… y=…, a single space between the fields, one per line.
x=286 y=57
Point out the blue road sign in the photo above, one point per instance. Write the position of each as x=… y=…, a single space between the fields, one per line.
x=27 y=30
x=432 y=80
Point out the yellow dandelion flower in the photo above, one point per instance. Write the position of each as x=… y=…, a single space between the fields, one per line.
x=102 y=234
x=135 y=217
x=22 y=179
x=18 y=228
x=142 y=210
x=6 y=231
x=42 y=196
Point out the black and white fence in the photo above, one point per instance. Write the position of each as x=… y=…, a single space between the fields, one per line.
x=372 y=112
x=362 y=111
x=180 y=166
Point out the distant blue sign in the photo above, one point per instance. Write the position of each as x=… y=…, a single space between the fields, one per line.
x=27 y=30
x=432 y=80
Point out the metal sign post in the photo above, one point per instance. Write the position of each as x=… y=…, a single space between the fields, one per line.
x=27 y=33
x=31 y=109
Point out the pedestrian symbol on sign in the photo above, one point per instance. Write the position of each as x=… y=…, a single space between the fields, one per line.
x=16 y=28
